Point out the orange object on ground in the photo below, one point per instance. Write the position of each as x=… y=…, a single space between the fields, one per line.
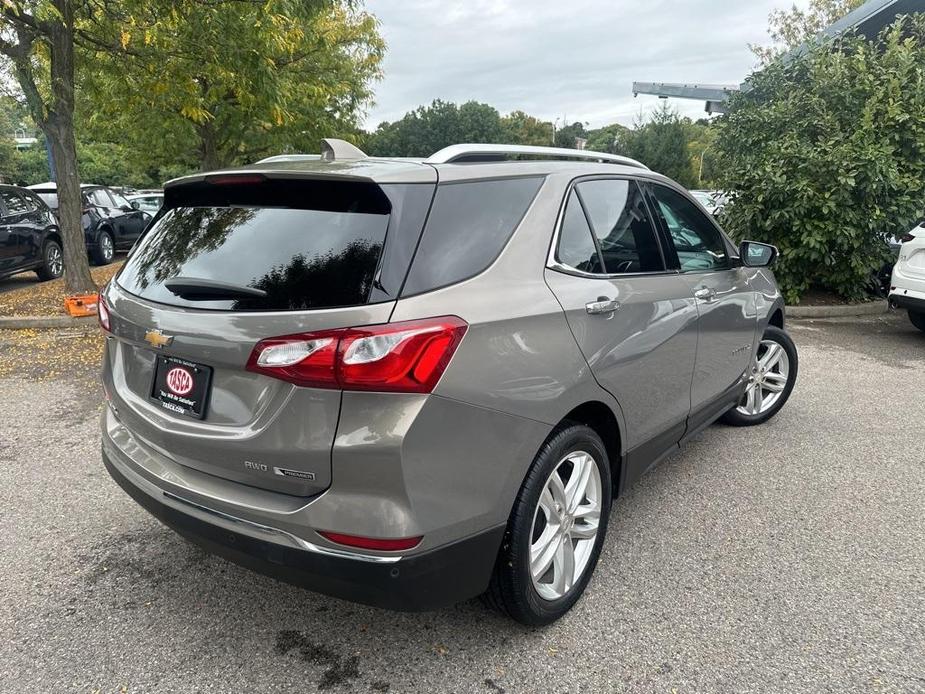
x=81 y=305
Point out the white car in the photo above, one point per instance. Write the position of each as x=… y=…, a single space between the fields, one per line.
x=907 y=288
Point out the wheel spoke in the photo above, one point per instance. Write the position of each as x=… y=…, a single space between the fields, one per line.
x=771 y=357
x=577 y=485
x=751 y=399
x=548 y=504
x=584 y=531
x=774 y=382
x=563 y=566
x=554 y=485
x=543 y=552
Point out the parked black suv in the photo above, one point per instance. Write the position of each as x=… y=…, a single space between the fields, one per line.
x=29 y=237
x=110 y=222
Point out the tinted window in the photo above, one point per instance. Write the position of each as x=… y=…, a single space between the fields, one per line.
x=617 y=212
x=576 y=245
x=469 y=225
x=698 y=242
x=14 y=203
x=99 y=197
x=302 y=258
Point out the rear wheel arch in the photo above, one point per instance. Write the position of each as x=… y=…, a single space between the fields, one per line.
x=777 y=319
x=601 y=418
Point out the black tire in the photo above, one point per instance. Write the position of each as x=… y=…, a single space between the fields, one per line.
x=511 y=590
x=918 y=319
x=52 y=261
x=105 y=249
x=740 y=419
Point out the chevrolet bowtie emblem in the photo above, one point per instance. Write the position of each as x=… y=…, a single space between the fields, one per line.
x=158 y=339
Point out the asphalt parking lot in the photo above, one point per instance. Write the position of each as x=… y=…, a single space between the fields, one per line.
x=788 y=557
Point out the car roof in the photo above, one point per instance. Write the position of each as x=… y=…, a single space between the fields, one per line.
x=52 y=187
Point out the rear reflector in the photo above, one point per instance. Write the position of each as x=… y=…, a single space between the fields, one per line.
x=408 y=357
x=383 y=545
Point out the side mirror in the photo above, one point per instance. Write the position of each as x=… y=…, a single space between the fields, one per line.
x=135 y=205
x=754 y=254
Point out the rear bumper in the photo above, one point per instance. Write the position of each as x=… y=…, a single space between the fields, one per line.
x=425 y=581
x=908 y=299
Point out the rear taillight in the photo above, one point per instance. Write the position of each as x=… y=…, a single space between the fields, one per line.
x=906 y=238
x=102 y=311
x=381 y=544
x=408 y=357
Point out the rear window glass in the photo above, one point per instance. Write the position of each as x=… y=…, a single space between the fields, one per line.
x=51 y=199
x=299 y=258
x=469 y=225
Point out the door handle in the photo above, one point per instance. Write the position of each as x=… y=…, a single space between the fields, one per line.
x=706 y=294
x=602 y=306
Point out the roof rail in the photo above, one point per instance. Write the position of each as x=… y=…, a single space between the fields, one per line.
x=289 y=157
x=485 y=152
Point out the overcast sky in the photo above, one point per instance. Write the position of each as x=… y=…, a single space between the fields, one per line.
x=572 y=58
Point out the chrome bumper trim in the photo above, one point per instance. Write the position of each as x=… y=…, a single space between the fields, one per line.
x=298 y=541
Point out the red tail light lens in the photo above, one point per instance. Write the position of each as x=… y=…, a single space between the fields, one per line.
x=408 y=357
x=384 y=545
x=906 y=238
x=102 y=311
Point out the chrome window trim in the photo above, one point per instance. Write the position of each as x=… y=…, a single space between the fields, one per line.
x=298 y=541
x=553 y=263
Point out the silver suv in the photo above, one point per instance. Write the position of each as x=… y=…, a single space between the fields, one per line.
x=408 y=383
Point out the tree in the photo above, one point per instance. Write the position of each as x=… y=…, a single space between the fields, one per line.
x=430 y=128
x=791 y=28
x=661 y=143
x=37 y=36
x=224 y=83
x=701 y=140
x=612 y=138
x=826 y=155
x=568 y=134
x=520 y=128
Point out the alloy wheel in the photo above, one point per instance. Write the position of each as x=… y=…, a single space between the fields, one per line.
x=565 y=525
x=767 y=379
x=53 y=260
x=106 y=245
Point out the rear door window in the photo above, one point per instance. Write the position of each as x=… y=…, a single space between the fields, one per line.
x=100 y=198
x=469 y=225
x=14 y=203
x=577 y=248
x=305 y=245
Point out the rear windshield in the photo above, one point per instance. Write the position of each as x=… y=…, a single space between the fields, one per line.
x=300 y=257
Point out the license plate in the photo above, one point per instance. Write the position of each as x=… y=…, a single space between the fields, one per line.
x=181 y=386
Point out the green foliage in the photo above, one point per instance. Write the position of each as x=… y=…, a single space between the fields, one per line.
x=430 y=128
x=661 y=143
x=567 y=134
x=223 y=83
x=701 y=136
x=522 y=129
x=612 y=138
x=791 y=28
x=826 y=156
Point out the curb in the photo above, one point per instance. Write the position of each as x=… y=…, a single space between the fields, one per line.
x=869 y=308
x=44 y=322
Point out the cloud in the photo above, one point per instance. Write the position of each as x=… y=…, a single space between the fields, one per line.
x=575 y=59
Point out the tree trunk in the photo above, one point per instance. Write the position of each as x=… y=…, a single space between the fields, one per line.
x=59 y=130
x=209 y=156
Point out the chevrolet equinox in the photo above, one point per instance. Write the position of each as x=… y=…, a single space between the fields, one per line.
x=408 y=383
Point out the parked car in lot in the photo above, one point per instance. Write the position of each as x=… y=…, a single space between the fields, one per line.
x=907 y=285
x=110 y=222
x=713 y=200
x=29 y=238
x=409 y=383
x=148 y=201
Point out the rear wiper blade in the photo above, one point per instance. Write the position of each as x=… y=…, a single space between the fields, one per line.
x=195 y=289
